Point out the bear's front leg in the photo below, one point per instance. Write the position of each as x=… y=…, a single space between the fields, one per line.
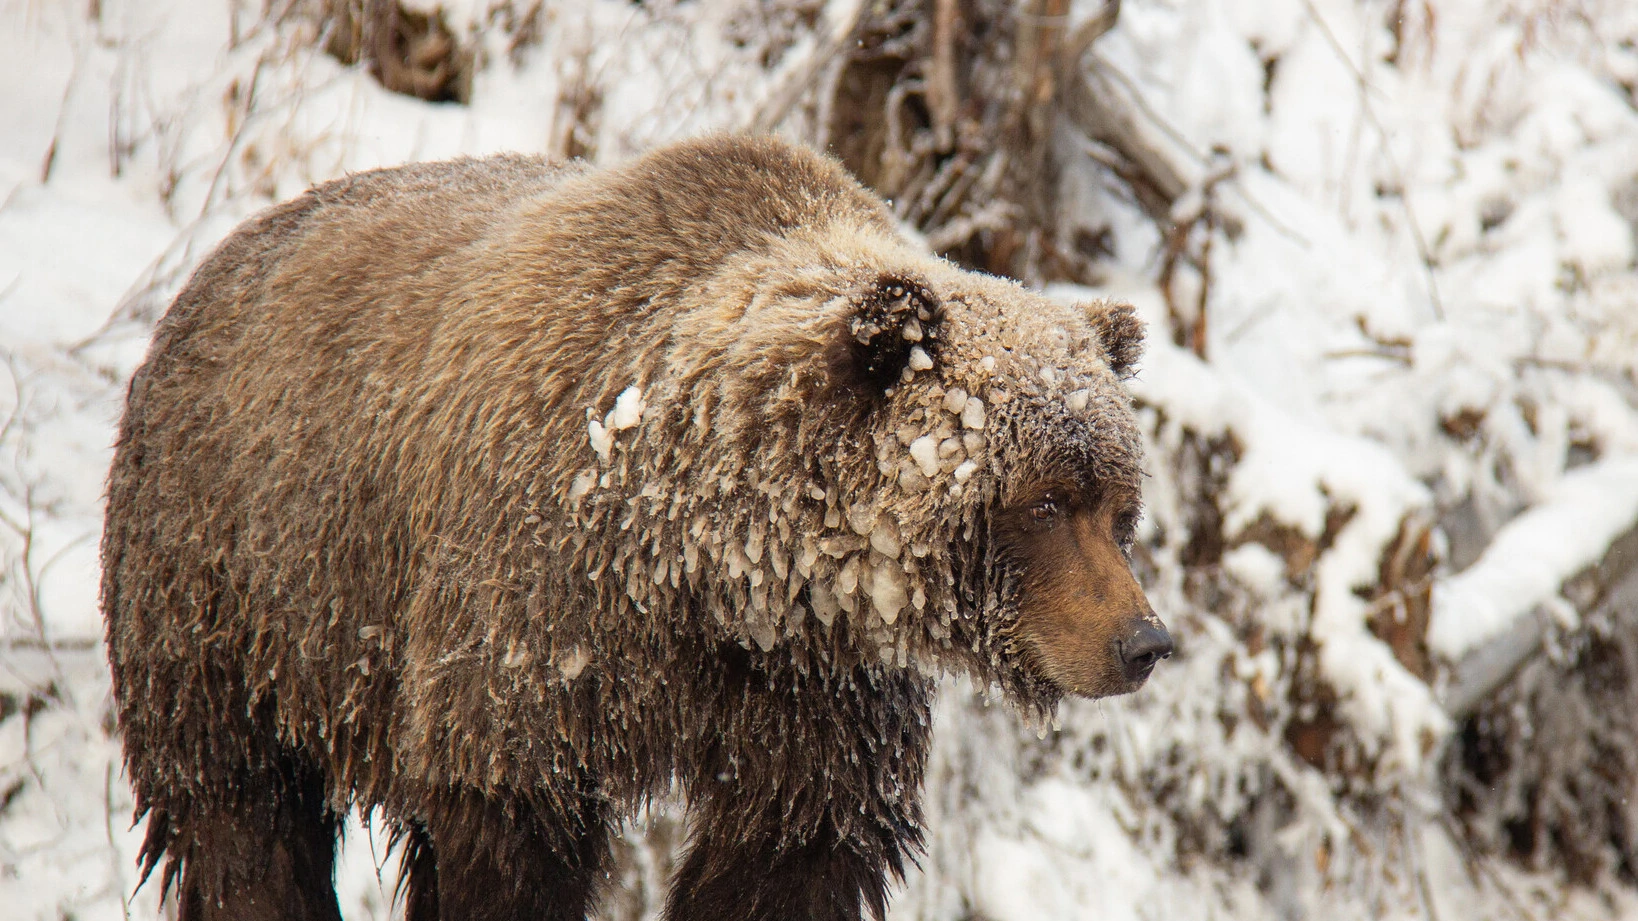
x=807 y=807
x=824 y=878
x=499 y=857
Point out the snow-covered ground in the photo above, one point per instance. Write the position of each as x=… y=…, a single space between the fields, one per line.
x=1425 y=322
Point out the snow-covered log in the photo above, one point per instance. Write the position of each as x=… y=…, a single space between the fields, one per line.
x=1492 y=616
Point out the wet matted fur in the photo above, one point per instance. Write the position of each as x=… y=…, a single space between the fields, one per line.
x=502 y=495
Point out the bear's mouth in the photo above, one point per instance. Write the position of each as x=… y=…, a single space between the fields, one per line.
x=1136 y=680
x=1079 y=660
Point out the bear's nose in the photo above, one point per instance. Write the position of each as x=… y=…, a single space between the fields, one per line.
x=1140 y=651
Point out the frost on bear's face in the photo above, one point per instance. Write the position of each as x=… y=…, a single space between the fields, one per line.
x=1045 y=466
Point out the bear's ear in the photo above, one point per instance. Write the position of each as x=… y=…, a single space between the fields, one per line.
x=894 y=325
x=1120 y=331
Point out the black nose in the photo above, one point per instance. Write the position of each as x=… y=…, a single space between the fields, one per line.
x=1140 y=651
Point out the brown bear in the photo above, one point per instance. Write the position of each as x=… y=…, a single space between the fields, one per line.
x=500 y=496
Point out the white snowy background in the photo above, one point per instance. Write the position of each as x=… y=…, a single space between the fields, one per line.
x=1425 y=321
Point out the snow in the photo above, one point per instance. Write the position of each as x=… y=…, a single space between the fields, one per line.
x=972 y=413
x=628 y=409
x=600 y=438
x=1256 y=567
x=887 y=592
x=1074 y=854
x=924 y=451
x=1427 y=305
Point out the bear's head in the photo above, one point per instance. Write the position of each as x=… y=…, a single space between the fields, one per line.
x=999 y=409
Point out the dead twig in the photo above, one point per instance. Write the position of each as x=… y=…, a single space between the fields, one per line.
x=50 y=160
x=1080 y=41
x=1400 y=354
x=1197 y=209
x=943 y=94
x=65 y=644
x=239 y=130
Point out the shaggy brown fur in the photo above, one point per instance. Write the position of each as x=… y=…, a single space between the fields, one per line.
x=502 y=496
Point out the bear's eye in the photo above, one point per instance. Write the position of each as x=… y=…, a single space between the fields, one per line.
x=1125 y=530
x=1045 y=510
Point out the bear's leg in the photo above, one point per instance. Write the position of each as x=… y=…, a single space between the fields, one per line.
x=821 y=879
x=265 y=852
x=805 y=800
x=504 y=859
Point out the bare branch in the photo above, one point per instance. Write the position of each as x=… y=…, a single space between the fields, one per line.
x=1088 y=32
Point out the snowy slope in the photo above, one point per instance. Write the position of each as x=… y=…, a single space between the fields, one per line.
x=1425 y=318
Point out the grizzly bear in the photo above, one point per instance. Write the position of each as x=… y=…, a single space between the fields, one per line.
x=502 y=496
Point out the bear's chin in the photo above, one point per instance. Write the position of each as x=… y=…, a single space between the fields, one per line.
x=1094 y=685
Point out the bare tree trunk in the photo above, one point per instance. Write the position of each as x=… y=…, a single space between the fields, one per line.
x=958 y=111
